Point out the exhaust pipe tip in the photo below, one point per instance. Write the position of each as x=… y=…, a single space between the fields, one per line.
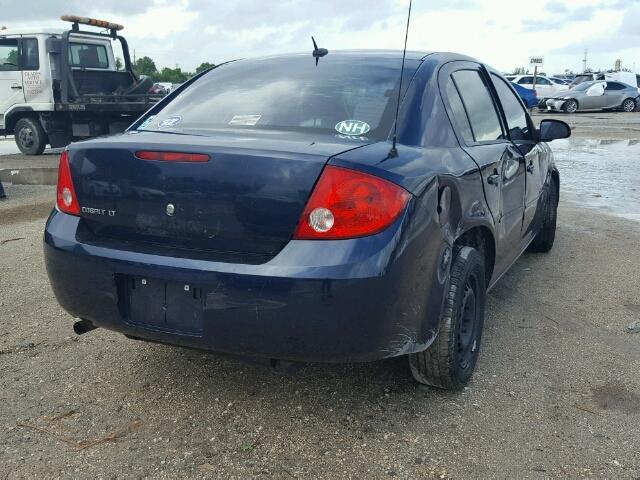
x=83 y=326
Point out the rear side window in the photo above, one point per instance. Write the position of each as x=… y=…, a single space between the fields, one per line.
x=614 y=86
x=459 y=113
x=87 y=55
x=525 y=81
x=513 y=111
x=8 y=55
x=479 y=106
x=30 y=59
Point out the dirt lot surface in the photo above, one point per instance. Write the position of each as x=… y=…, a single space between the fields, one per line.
x=556 y=393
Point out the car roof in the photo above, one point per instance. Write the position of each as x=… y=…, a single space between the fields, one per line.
x=411 y=54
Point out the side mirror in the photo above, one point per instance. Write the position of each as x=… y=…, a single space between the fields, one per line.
x=553 y=130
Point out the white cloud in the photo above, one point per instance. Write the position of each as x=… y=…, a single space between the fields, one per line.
x=503 y=33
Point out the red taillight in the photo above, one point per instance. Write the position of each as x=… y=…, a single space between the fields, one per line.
x=172 y=156
x=67 y=201
x=347 y=204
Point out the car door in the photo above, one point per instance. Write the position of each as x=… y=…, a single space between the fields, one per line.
x=613 y=94
x=521 y=132
x=545 y=87
x=593 y=98
x=526 y=82
x=11 y=91
x=475 y=115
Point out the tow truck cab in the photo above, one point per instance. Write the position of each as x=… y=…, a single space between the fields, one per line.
x=58 y=86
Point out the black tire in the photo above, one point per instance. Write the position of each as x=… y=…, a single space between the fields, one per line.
x=543 y=242
x=450 y=360
x=570 y=106
x=30 y=136
x=629 y=105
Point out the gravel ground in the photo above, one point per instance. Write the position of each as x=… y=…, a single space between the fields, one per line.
x=556 y=393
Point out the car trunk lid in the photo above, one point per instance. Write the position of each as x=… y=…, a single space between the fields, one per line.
x=247 y=198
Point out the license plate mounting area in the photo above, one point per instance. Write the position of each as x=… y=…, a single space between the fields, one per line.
x=160 y=305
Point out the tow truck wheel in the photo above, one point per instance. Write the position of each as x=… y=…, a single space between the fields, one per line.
x=30 y=136
x=450 y=360
x=629 y=105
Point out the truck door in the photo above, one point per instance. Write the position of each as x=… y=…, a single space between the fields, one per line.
x=11 y=87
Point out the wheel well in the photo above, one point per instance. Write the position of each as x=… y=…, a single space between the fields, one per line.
x=13 y=119
x=482 y=240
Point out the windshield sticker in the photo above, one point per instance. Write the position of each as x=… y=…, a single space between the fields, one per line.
x=352 y=127
x=146 y=123
x=245 y=120
x=170 y=122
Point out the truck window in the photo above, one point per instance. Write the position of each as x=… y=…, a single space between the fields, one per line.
x=29 y=59
x=8 y=55
x=88 y=55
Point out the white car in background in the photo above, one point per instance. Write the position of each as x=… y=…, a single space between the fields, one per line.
x=559 y=81
x=544 y=86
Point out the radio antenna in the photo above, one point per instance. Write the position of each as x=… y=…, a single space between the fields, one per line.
x=394 y=151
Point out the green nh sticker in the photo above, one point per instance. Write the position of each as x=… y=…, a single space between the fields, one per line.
x=352 y=127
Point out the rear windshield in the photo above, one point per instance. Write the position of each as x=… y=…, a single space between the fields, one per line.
x=88 y=55
x=345 y=95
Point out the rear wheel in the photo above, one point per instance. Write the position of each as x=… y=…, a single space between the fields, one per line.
x=30 y=136
x=547 y=233
x=570 y=106
x=629 y=105
x=451 y=359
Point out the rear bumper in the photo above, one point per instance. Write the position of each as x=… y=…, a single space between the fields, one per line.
x=350 y=300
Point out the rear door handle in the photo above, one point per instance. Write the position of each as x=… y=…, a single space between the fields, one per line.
x=530 y=167
x=493 y=179
x=15 y=86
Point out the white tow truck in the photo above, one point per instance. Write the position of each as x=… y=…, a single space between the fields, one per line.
x=58 y=86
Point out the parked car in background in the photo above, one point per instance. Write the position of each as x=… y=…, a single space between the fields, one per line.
x=595 y=95
x=567 y=77
x=168 y=86
x=283 y=223
x=628 y=78
x=158 y=89
x=581 y=78
x=544 y=87
x=559 y=81
x=528 y=96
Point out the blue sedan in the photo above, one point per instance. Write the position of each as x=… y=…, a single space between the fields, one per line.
x=528 y=96
x=263 y=210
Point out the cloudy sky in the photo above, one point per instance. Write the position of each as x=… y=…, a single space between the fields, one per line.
x=502 y=33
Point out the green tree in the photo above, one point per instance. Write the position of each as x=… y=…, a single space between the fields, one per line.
x=12 y=58
x=119 y=64
x=204 y=66
x=146 y=66
x=520 y=71
x=173 y=75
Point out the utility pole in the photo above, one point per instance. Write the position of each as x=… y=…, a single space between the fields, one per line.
x=584 y=61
